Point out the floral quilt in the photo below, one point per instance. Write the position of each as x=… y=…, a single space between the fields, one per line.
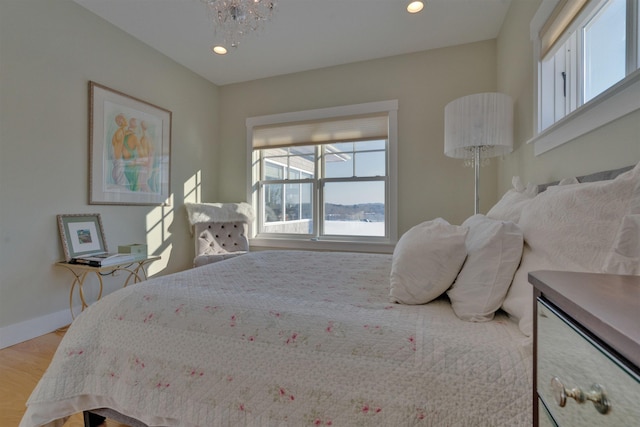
x=285 y=338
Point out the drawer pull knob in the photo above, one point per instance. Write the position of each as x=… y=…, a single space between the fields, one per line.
x=596 y=395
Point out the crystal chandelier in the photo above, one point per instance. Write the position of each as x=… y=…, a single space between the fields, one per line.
x=233 y=19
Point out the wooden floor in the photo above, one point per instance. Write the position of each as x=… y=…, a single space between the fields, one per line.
x=21 y=366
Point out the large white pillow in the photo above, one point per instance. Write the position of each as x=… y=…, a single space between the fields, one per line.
x=494 y=249
x=518 y=302
x=576 y=228
x=576 y=225
x=625 y=255
x=510 y=206
x=426 y=261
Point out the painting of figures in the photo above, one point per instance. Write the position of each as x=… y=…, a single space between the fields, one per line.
x=130 y=149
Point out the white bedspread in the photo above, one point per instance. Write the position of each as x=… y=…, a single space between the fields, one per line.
x=285 y=338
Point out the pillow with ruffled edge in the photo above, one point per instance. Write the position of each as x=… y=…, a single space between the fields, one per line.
x=494 y=249
x=426 y=261
x=510 y=206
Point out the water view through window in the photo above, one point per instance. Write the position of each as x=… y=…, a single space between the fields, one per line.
x=351 y=189
x=363 y=217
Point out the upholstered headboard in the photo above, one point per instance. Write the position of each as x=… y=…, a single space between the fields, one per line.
x=598 y=176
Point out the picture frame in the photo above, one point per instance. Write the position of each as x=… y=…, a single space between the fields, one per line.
x=129 y=149
x=81 y=235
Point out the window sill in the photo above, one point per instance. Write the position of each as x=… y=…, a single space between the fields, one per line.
x=323 y=245
x=618 y=101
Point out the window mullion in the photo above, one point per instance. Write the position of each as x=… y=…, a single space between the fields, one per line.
x=633 y=36
x=572 y=62
x=547 y=94
x=317 y=190
x=354 y=166
x=560 y=77
x=355 y=179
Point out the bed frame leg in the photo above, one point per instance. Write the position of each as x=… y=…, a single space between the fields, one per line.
x=93 y=420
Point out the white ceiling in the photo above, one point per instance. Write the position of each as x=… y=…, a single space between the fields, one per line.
x=303 y=34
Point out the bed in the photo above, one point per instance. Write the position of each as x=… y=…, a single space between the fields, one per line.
x=293 y=338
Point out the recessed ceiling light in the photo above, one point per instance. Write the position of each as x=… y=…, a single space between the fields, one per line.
x=220 y=50
x=415 y=7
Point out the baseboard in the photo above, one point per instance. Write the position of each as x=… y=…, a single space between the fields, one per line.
x=32 y=328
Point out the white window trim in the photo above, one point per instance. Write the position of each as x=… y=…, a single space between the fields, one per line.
x=390 y=107
x=614 y=103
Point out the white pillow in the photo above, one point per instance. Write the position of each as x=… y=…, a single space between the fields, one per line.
x=625 y=255
x=494 y=249
x=576 y=225
x=577 y=228
x=518 y=302
x=510 y=206
x=426 y=260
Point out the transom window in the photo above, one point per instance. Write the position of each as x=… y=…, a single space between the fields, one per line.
x=588 y=55
x=325 y=179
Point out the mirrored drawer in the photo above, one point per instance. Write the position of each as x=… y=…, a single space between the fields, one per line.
x=580 y=382
x=544 y=418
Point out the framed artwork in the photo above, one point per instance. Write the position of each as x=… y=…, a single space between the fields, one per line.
x=81 y=235
x=129 y=149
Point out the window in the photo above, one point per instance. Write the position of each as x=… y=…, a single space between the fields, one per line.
x=325 y=175
x=287 y=188
x=587 y=55
x=604 y=40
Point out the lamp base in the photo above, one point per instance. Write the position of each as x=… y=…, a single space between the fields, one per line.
x=476 y=165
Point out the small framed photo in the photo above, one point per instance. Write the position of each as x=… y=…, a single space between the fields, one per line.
x=81 y=235
x=129 y=149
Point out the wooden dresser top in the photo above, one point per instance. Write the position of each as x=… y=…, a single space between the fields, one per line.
x=607 y=305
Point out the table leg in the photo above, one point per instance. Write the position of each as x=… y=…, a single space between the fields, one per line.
x=141 y=267
x=73 y=286
x=132 y=273
x=79 y=279
x=135 y=273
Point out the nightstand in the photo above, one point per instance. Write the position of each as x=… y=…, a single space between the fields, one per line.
x=586 y=349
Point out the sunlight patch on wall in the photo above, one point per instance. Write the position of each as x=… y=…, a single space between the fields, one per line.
x=193 y=188
x=158 y=222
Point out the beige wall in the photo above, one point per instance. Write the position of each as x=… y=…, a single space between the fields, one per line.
x=49 y=51
x=430 y=185
x=614 y=145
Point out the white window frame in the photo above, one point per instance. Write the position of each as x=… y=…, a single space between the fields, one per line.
x=288 y=182
x=617 y=101
x=347 y=243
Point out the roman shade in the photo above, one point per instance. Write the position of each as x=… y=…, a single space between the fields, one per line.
x=326 y=131
x=555 y=26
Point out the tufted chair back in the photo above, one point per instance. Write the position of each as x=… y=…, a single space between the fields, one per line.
x=216 y=241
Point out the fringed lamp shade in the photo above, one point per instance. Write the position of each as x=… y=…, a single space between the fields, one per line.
x=480 y=120
x=478 y=126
